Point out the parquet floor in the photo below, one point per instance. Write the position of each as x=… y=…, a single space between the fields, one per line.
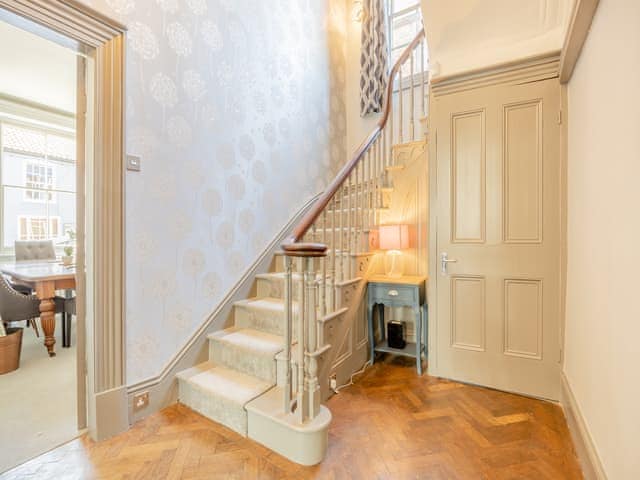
x=390 y=425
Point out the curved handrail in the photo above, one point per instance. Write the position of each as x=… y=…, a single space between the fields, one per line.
x=292 y=245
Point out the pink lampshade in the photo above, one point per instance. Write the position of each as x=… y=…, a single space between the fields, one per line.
x=394 y=237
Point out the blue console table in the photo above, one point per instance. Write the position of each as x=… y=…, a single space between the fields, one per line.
x=405 y=291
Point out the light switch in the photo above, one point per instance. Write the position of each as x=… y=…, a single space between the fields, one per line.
x=133 y=163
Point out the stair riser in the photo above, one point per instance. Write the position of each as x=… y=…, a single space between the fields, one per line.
x=263 y=320
x=214 y=407
x=245 y=360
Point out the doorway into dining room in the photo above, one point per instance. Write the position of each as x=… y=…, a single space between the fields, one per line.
x=40 y=380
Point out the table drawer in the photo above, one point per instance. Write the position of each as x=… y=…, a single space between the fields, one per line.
x=399 y=294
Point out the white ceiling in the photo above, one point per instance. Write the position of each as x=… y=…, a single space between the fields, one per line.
x=36 y=69
x=469 y=34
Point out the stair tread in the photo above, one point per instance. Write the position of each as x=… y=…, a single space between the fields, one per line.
x=250 y=339
x=235 y=386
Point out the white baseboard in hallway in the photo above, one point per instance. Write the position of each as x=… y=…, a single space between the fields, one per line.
x=590 y=462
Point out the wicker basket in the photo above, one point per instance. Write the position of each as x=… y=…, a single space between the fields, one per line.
x=10 y=347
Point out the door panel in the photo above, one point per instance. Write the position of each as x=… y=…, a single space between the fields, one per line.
x=498 y=214
x=468 y=313
x=523 y=172
x=468 y=177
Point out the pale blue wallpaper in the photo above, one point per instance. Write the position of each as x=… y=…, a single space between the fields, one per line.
x=237 y=109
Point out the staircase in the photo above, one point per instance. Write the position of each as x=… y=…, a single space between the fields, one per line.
x=268 y=373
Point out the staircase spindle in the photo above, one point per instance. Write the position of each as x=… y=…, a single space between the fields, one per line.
x=334 y=206
x=400 y=108
x=412 y=107
x=323 y=273
x=359 y=219
x=423 y=81
x=301 y=404
x=369 y=189
x=349 y=224
x=341 y=234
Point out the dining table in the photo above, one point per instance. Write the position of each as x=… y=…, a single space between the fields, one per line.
x=44 y=277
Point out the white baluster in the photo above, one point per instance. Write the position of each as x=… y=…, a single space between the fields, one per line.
x=332 y=273
x=301 y=393
x=412 y=108
x=288 y=327
x=323 y=276
x=400 y=108
x=424 y=80
x=341 y=234
x=349 y=225
x=359 y=219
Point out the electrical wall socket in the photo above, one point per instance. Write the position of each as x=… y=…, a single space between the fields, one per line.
x=140 y=401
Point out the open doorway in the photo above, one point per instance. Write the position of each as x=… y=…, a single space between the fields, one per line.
x=39 y=384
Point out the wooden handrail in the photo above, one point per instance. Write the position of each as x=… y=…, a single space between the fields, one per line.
x=292 y=245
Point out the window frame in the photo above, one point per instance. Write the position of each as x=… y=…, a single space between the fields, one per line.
x=418 y=73
x=48 y=219
x=39 y=163
x=41 y=120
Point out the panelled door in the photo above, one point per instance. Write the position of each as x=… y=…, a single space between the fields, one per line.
x=499 y=237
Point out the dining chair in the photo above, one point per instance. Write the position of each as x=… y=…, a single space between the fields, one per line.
x=30 y=250
x=16 y=306
x=69 y=310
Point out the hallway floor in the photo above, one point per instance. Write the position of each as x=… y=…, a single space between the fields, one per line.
x=390 y=425
x=38 y=400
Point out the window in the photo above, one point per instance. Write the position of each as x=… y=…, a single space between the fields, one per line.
x=37 y=184
x=38 y=178
x=405 y=21
x=38 y=228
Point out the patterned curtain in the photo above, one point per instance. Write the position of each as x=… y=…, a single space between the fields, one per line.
x=374 y=57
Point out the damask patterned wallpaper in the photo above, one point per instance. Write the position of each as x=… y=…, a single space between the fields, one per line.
x=237 y=108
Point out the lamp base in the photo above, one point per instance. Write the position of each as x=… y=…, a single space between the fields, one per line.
x=393 y=265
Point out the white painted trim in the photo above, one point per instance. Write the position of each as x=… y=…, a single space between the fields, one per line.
x=70 y=18
x=104 y=294
x=592 y=467
x=579 y=25
x=528 y=69
x=36 y=115
x=162 y=387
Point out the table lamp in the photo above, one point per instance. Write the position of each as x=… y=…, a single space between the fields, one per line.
x=393 y=239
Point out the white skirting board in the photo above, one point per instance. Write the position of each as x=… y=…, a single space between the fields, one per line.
x=590 y=462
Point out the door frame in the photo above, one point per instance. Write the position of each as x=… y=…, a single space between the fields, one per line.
x=525 y=70
x=102 y=400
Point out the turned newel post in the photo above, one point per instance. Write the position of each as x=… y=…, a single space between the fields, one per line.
x=288 y=327
x=311 y=363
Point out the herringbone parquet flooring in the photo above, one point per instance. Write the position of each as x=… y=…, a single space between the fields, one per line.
x=390 y=425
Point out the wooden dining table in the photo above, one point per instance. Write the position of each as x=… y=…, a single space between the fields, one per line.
x=44 y=277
